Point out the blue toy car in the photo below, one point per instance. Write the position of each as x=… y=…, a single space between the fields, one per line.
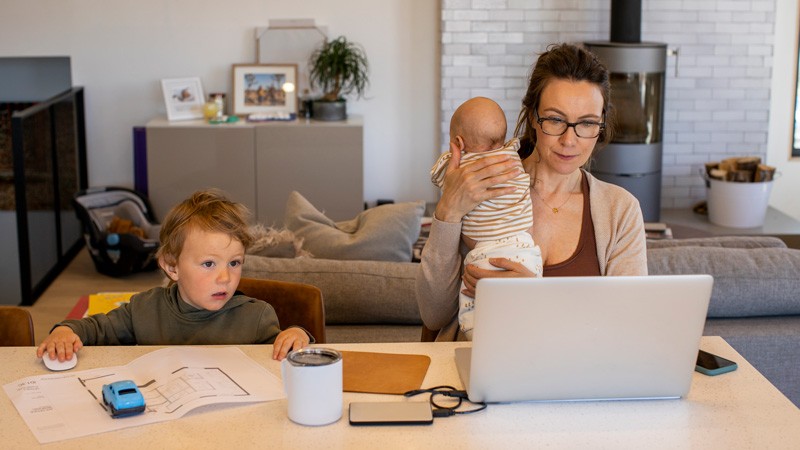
x=123 y=398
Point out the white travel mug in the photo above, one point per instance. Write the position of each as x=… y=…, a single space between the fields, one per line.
x=312 y=380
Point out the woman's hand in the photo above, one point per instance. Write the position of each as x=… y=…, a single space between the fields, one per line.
x=509 y=269
x=465 y=187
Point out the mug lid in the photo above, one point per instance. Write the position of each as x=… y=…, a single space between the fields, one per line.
x=313 y=357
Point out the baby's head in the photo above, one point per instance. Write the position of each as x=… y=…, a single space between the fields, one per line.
x=203 y=241
x=478 y=125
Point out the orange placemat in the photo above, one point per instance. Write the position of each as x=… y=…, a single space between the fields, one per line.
x=383 y=373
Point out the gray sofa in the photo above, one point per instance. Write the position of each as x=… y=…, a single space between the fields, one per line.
x=755 y=303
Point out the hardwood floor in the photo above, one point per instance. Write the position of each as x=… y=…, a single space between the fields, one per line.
x=81 y=278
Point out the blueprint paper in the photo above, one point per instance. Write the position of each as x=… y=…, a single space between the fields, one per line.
x=173 y=381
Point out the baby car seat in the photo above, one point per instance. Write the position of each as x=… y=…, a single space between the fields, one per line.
x=120 y=229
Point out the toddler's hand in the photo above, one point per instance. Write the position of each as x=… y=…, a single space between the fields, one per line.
x=287 y=340
x=61 y=343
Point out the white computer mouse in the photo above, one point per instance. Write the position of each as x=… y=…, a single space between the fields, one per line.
x=55 y=364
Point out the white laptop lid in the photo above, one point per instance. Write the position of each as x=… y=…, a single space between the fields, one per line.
x=584 y=338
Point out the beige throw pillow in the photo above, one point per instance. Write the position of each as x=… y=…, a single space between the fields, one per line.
x=383 y=233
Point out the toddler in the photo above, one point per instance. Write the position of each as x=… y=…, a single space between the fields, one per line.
x=203 y=242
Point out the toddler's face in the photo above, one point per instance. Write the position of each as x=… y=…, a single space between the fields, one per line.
x=208 y=269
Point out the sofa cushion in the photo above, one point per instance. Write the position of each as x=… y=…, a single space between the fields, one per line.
x=770 y=344
x=383 y=233
x=720 y=241
x=747 y=281
x=354 y=292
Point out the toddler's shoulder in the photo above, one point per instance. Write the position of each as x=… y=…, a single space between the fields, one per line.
x=155 y=293
x=150 y=298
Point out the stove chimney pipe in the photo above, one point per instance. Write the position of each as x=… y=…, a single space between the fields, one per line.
x=626 y=21
x=637 y=72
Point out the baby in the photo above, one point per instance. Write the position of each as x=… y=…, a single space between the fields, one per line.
x=203 y=242
x=496 y=228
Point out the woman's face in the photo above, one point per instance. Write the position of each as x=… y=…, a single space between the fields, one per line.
x=570 y=101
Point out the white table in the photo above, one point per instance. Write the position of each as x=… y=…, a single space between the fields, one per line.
x=736 y=410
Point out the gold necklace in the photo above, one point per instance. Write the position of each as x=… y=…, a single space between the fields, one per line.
x=554 y=209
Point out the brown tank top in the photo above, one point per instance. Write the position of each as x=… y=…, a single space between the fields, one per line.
x=584 y=261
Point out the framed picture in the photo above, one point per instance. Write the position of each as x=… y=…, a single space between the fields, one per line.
x=265 y=89
x=184 y=98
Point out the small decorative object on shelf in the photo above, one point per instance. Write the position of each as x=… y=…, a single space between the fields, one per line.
x=214 y=109
x=305 y=104
x=657 y=230
x=264 y=89
x=184 y=98
x=267 y=117
x=210 y=109
x=219 y=99
x=338 y=67
x=223 y=119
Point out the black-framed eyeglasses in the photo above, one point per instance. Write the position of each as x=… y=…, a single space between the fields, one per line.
x=554 y=126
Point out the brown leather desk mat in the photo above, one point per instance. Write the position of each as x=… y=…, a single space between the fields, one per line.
x=383 y=373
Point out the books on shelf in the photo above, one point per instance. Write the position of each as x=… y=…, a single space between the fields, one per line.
x=103 y=302
x=657 y=230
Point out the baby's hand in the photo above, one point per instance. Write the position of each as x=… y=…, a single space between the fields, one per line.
x=61 y=343
x=287 y=340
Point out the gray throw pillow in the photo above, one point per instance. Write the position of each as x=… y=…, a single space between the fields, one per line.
x=355 y=292
x=383 y=233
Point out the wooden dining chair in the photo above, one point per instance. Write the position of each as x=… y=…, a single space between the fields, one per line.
x=428 y=335
x=16 y=327
x=295 y=303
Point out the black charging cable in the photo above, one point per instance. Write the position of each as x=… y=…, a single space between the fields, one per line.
x=440 y=410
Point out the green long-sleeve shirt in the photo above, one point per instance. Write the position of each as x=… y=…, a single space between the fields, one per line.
x=160 y=317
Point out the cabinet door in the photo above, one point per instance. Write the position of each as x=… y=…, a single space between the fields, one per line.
x=323 y=162
x=184 y=159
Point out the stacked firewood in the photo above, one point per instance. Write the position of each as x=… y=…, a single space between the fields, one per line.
x=745 y=169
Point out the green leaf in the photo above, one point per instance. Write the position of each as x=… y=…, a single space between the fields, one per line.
x=339 y=67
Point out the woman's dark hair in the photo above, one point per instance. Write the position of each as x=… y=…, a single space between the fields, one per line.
x=563 y=62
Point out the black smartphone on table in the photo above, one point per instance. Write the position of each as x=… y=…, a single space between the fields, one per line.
x=710 y=364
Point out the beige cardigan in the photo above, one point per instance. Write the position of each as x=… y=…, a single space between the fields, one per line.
x=621 y=250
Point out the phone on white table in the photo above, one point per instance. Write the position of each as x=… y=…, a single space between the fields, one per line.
x=710 y=364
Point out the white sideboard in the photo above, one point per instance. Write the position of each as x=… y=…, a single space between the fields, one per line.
x=258 y=164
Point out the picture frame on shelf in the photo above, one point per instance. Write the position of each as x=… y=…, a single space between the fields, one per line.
x=183 y=97
x=265 y=90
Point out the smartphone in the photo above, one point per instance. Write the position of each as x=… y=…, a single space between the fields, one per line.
x=709 y=364
x=390 y=413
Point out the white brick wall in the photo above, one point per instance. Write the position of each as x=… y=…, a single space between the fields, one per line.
x=717 y=106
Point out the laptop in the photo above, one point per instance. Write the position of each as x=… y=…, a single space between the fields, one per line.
x=584 y=338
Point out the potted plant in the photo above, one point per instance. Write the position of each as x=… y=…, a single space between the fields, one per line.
x=339 y=68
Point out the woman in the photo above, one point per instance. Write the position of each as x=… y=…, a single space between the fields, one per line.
x=583 y=226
